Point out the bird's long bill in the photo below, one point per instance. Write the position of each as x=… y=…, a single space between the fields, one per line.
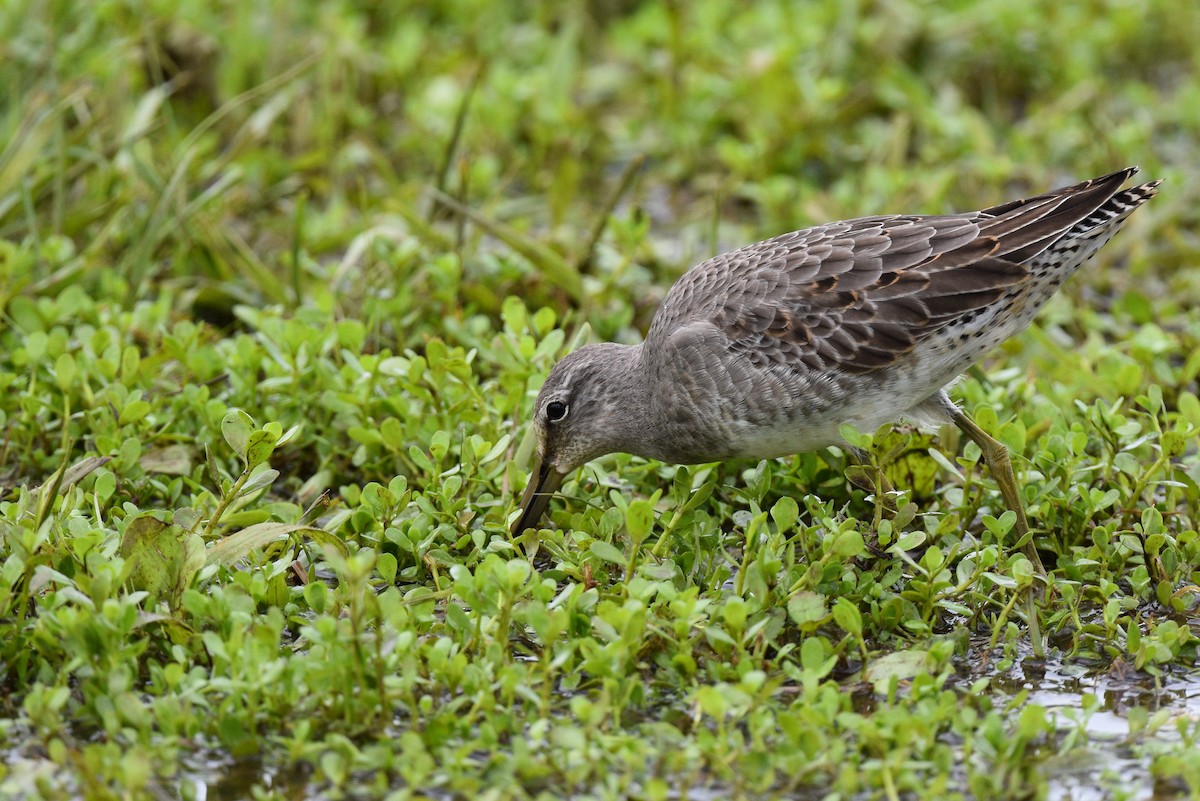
x=544 y=481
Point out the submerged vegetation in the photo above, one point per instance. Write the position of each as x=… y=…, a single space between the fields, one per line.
x=279 y=280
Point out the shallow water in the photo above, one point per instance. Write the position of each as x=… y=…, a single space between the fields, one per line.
x=1108 y=765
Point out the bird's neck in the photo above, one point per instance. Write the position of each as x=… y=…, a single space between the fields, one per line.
x=664 y=421
x=629 y=401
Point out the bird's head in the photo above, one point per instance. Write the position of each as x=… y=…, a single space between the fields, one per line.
x=582 y=412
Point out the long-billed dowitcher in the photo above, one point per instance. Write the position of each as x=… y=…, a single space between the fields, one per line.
x=769 y=349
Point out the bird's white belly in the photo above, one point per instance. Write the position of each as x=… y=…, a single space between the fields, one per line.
x=768 y=442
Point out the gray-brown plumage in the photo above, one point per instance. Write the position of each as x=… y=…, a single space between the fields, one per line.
x=769 y=349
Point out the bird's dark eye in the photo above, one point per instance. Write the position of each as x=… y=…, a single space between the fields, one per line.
x=555 y=411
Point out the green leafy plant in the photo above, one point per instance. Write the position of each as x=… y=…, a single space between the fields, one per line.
x=378 y=228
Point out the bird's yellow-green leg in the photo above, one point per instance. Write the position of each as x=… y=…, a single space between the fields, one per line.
x=999 y=462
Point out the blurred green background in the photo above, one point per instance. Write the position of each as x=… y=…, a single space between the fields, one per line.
x=235 y=151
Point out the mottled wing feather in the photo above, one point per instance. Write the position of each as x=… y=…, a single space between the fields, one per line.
x=859 y=294
x=1113 y=179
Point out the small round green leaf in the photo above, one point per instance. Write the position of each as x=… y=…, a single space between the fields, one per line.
x=847 y=616
x=639 y=519
x=236 y=426
x=259 y=447
x=806 y=608
x=607 y=551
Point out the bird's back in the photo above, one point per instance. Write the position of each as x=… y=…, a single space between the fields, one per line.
x=776 y=344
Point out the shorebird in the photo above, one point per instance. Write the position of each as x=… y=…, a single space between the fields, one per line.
x=768 y=350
